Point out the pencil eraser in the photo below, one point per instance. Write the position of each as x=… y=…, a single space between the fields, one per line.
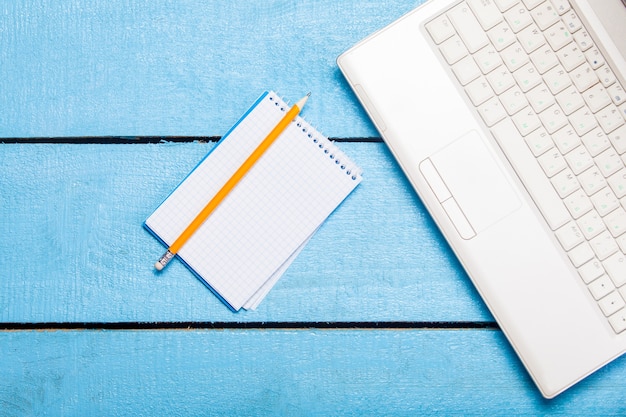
x=158 y=266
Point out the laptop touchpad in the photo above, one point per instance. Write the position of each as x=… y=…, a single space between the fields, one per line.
x=469 y=184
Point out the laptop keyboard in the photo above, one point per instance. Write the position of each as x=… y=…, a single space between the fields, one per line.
x=542 y=86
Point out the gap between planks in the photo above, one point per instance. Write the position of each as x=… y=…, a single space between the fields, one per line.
x=108 y=140
x=201 y=325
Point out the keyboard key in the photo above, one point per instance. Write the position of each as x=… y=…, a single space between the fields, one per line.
x=618 y=321
x=601 y=287
x=501 y=36
x=552 y=162
x=505 y=5
x=468 y=28
x=440 y=29
x=525 y=164
x=539 y=141
x=487 y=59
x=479 y=91
x=518 y=18
x=592 y=181
x=580 y=254
x=616 y=92
x=531 y=38
x=544 y=59
x=526 y=121
x=561 y=6
x=605 y=201
x=527 y=77
x=492 y=111
x=572 y=22
x=615 y=267
x=583 y=40
x=603 y=245
x=501 y=80
x=616 y=224
x=557 y=79
x=558 y=36
x=590 y=271
x=606 y=76
x=584 y=77
x=466 y=70
x=566 y=139
x=565 y=183
x=583 y=121
x=540 y=98
x=579 y=160
x=591 y=224
x=618 y=139
x=569 y=236
x=513 y=100
x=596 y=98
x=617 y=182
x=610 y=119
x=594 y=57
x=553 y=119
x=453 y=49
x=571 y=56
x=531 y=4
x=609 y=162
x=611 y=303
x=545 y=15
x=570 y=100
x=578 y=203
x=514 y=57
x=486 y=12
x=595 y=141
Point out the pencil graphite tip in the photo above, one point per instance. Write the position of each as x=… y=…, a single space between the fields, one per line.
x=303 y=100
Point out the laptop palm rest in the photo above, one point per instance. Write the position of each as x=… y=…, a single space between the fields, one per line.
x=469 y=184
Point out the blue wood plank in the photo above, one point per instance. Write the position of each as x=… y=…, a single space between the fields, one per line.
x=75 y=250
x=289 y=372
x=117 y=67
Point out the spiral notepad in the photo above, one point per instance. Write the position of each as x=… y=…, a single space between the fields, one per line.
x=248 y=242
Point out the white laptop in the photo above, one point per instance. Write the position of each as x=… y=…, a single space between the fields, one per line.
x=509 y=119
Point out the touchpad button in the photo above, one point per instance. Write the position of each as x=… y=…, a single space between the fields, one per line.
x=475 y=181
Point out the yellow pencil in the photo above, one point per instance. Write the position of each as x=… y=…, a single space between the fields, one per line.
x=230 y=184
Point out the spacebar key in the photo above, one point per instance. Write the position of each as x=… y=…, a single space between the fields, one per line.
x=531 y=174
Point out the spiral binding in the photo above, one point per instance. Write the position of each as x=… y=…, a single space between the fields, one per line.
x=335 y=154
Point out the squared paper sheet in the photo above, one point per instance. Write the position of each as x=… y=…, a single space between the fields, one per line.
x=246 y=244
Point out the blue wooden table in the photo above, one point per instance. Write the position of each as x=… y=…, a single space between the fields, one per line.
x=105 y=105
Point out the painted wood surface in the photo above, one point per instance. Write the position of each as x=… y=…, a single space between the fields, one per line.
x=286 y=372
x=144 y=67
x=72 y=221
x=74 y=254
